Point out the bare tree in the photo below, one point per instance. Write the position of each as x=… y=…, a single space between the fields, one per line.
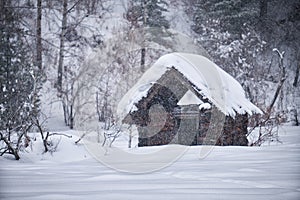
x=49 y=146
x=280 y=83
x=111 y=135
x=267 y=124
x=72 y=51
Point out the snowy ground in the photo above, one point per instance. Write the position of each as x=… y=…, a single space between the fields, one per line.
x=268 y=172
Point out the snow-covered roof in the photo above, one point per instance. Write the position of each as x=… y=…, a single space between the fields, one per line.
x=189 y=98
x=209 y=80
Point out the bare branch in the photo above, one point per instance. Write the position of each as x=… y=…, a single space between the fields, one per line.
x=72 y=7
x=81 y=137
x=62 y=134
x=266 y=124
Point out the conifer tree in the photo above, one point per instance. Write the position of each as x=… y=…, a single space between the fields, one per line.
x=148 y=15
x=17 y=101
x=231 y=14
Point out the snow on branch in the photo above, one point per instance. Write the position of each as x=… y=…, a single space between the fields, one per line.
x=281 y=54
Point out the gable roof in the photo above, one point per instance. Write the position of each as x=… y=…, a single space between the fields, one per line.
x=189 y=98
x=208 y=80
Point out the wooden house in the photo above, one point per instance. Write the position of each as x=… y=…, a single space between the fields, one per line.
x=186 y=99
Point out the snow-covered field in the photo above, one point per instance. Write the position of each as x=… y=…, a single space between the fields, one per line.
x=267 y=172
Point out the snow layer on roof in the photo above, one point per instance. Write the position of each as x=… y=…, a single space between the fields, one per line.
x=189 y=98
x=210 y=81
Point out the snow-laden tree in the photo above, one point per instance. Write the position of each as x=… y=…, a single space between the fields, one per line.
x=232 y=14
x=225 y=30
x=240 y=37
x=143 y=13
x=18 y=98
x=149 y=18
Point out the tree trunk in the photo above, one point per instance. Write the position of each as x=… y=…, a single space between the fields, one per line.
x=143 y=52
x=66 y=113
x=130 y=136
x=39 y=47
x=100 y=111
x=62 y=47
x=263 y=9
x=10 y=147
x=295 y=83
x=281 y=81
x=71 y=117
x=143 y=55
x=296 y=117
x=276 y=94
